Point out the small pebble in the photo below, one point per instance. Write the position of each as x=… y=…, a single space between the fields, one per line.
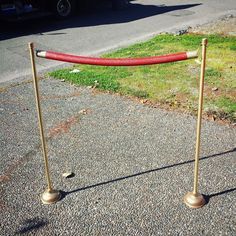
x=214 y=89
x=68 y=175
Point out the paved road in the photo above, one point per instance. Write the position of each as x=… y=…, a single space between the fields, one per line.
x=99 y=30
x=133 y=165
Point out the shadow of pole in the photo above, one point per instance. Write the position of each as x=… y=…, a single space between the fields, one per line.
x=32 y=225
x=64 y=194
x=208 y=197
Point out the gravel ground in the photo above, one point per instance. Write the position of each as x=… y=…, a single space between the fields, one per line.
x=133 y=165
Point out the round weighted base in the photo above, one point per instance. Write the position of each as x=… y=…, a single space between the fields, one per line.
x=193 y=200
x=50 y=196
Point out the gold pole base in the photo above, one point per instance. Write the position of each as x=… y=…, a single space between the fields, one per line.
x=50 y=196
x=193 y=200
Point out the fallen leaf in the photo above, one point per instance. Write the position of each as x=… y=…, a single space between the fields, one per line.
x=75 y=71
x=143 y=101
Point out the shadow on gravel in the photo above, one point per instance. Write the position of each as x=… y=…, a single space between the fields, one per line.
x=96 y=15
x=31 y=225
x=64 y=194
x=208 y=197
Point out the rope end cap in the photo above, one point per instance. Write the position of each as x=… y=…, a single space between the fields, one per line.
x=40 y=53
x=193 y=54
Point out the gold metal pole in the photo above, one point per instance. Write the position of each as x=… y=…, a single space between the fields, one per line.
x=195 y=199
x=50 y=195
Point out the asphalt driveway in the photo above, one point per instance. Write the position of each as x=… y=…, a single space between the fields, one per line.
x=133 y=164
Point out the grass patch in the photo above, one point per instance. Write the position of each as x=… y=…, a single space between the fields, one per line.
x=174 y=84
x=232 y=47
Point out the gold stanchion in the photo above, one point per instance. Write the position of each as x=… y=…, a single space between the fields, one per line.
x=195 y=199
x=50 y=195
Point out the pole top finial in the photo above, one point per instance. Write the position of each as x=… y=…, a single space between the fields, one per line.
x=204 y=41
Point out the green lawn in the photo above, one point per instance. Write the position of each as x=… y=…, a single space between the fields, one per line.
x=172 y=85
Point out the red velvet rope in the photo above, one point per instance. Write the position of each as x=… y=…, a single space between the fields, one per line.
x=113 y=62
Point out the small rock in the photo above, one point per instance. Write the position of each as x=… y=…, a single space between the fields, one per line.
x=214 y=89
x=84 y=112
x=68 y=174
x=230 y=16
x=62 y=80
x=181 y=32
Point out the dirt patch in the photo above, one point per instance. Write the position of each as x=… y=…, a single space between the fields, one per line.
x=224 y=26
x=65 y=126
x=8 y=173
x=62 y=127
